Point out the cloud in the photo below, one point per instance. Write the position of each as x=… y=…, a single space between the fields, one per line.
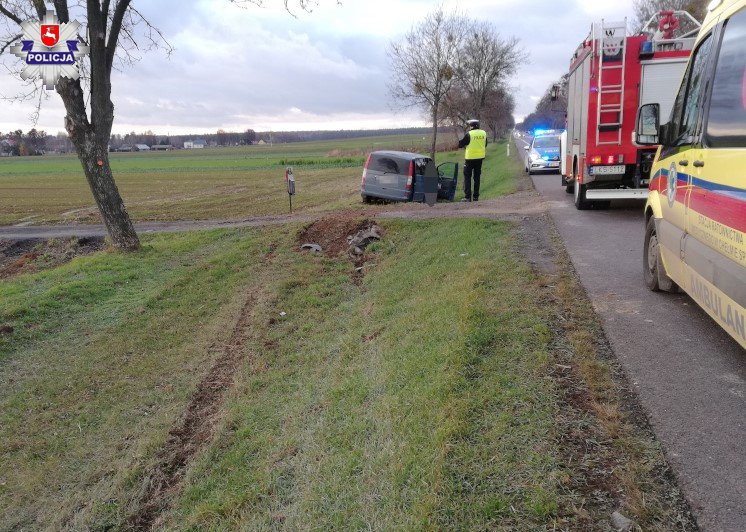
x=263 y=68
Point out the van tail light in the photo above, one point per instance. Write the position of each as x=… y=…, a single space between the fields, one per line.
x=409 y=175
x=620 y=159
x=365 y=169
x=596 y=159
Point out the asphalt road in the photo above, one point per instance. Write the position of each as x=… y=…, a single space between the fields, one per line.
x=689 y=374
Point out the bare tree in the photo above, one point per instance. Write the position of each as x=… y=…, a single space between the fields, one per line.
x=424 y=63
x=488 y=62
x=497 y=112
x=645 y=9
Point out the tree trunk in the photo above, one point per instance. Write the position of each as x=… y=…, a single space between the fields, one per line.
x=91 y=138
x=91 y=143
x=95 y=161
x=435 y=133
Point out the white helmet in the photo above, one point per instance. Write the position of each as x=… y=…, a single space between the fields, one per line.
x=473 y=122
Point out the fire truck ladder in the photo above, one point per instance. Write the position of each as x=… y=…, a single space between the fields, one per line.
x=613 y=56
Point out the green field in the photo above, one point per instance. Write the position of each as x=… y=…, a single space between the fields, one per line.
x=216 y=183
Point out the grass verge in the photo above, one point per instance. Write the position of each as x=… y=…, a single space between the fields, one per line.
x=104 y=354
x=499 y=170
x=414 y=401
x=430 y=394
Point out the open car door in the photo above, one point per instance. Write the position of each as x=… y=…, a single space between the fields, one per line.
x=447 y=180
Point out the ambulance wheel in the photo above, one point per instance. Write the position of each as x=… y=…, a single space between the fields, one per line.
x=653 y=270
x=569 y=189
x=580 y=202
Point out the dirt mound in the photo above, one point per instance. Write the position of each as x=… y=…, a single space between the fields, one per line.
x=31 y=255
x=331 y=232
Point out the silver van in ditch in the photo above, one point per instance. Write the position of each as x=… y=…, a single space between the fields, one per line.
x=405 y=176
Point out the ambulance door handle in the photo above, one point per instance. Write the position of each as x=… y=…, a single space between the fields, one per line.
x=684 y=162
x=699 y=164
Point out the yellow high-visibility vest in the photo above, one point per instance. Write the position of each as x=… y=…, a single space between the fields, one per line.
x=477 y=147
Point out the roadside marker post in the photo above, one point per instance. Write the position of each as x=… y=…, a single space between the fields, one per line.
x=290 y=180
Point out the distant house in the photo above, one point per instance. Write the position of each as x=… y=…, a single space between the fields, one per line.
x=161 y=147
x=8 y=148
x=261 y=142
x=195 y=144
x=141 y=147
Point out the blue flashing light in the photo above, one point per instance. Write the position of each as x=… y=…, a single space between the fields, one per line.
x=540 y=132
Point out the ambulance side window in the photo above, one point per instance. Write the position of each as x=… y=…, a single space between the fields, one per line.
x=686 y=109
x=726 y=125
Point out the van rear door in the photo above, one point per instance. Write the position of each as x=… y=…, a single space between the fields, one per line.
x=386 y=168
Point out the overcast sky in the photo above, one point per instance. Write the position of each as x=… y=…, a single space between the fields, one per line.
x=260 y=68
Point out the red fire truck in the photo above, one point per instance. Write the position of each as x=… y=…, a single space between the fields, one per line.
x=611 y=75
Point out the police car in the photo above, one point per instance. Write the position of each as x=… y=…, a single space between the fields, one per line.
x=695 y=216
x=544 y=151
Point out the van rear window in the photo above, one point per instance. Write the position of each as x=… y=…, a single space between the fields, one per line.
x=726 y=125
x=390 y=165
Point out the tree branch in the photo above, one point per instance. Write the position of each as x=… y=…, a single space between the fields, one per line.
x=10 y=15
x=60 y=6
x=41 y=8
x=10 y=41
x=116 y=28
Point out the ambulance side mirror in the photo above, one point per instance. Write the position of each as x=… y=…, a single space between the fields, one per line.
x=648 y=124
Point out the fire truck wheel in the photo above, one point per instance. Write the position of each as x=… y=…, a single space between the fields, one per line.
x=580 y=202
x=653 y=269
x=570 y=189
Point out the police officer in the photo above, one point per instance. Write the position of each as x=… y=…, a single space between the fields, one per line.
x=475 y=142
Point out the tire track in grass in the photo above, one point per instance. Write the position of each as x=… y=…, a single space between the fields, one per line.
x=195 y=429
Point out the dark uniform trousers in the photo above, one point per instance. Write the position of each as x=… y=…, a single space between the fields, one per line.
x=472 y=167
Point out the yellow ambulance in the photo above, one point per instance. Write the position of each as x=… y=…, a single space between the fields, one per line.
x=695 y=216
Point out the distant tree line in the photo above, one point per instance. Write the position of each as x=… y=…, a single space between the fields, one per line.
x=33 y=142
x=36 y=142
x=310 y=136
